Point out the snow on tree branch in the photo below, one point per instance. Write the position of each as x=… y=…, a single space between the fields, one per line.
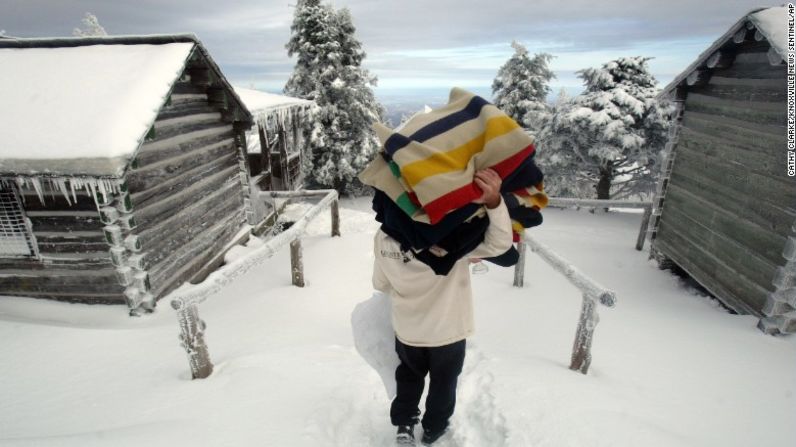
x=91 y=27
x=329 y=71
x=521 y=87
x=613 y=133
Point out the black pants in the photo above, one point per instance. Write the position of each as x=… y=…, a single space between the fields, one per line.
x=443 y=364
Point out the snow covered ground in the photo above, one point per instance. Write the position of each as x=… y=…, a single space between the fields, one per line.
x=670 y=367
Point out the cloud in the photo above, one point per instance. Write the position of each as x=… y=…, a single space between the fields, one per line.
x=411 y=42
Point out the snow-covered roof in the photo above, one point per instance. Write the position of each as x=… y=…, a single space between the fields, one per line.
x=261 y=103
x=772 y=24
x=83 y=106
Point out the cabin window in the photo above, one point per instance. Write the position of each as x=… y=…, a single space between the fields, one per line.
x=15 y=237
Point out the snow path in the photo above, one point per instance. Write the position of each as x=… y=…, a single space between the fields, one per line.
x=670 y=367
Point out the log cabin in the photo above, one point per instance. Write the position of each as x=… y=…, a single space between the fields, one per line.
x=725 y=209
x=276 y=143
x=123 y=167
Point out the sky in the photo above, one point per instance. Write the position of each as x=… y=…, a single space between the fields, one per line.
x=413 y=46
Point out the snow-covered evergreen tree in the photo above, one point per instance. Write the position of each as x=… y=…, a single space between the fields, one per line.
x=563 y=176
x=91 y=27
x=521 y=87
x=329 y=71
x=613 y=133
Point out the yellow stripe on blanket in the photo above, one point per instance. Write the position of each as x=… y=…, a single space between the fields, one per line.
x=457 y=158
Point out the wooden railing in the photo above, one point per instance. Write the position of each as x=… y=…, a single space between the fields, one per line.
x=185 y=300
x=595 y=203
x=592 y=294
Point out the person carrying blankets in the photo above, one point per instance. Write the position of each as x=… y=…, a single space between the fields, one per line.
x=453 y=184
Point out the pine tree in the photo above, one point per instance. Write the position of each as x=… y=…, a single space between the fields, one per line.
x=329 y=71
x=614 y=132
x=92 y=27
x=521 y=87
x=563 y=178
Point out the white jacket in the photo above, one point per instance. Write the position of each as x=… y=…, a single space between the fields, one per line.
x=429 y=309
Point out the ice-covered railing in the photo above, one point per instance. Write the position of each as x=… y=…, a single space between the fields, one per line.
x=186 y=298
x=592 y=294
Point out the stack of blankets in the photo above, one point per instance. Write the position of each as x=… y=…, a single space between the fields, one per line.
x=424 y=179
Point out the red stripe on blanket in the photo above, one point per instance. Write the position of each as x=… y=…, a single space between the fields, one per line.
x=437 y=208
x=507 y=166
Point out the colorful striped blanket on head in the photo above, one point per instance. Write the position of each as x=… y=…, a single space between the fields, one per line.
x=433 y=158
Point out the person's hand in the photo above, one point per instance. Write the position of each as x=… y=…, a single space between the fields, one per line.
x=489 y=181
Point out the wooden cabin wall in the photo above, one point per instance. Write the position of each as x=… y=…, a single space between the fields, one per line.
x=185 y=189
x=729 y=205
x=74 y=261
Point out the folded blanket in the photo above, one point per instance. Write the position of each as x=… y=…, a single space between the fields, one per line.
x=424 y=179
x=435 y=155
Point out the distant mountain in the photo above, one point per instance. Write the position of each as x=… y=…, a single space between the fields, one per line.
x=401 y=103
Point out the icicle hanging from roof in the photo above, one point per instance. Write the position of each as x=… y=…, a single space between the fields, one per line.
x=95 y=186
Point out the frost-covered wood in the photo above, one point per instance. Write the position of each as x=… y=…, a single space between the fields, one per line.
x=157 y=150
x=589 y=287
x=728 y=210
x=184 y=262
x=592 y=293
x=519 y=269
x=698 y=77
x=335 y=218
x=774 y=58
x=189 y=211
x=297 y=263
x=760 y=112
x=172 y=204
x=192 y=330
x=581 y=350
x=642 y=233
x=740 y=35
x=180 y=238
x=595 y=203
x=721 y=59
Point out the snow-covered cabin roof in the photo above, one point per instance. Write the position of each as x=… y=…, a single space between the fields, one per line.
x=83 y=106
x=262 y=104
x=772 y=24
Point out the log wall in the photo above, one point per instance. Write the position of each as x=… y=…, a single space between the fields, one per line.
x=74 y=262
x=729 y=204
x=186 y=194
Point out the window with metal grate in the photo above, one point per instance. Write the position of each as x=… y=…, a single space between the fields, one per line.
x=15 y=237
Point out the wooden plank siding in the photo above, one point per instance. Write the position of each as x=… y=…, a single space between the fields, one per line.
x=729 y=206
x=185 y=189
x=74 y=262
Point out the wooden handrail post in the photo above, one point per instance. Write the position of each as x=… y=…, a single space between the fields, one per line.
x=186 y=298
x=335 y=218
x=297 y=263
x=192 y=330
x=581 y=350
x=519 y=269
x=592 y=294
x=642 y=232
x=602 y=203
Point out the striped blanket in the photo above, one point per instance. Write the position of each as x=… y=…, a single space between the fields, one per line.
x=427 y=167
